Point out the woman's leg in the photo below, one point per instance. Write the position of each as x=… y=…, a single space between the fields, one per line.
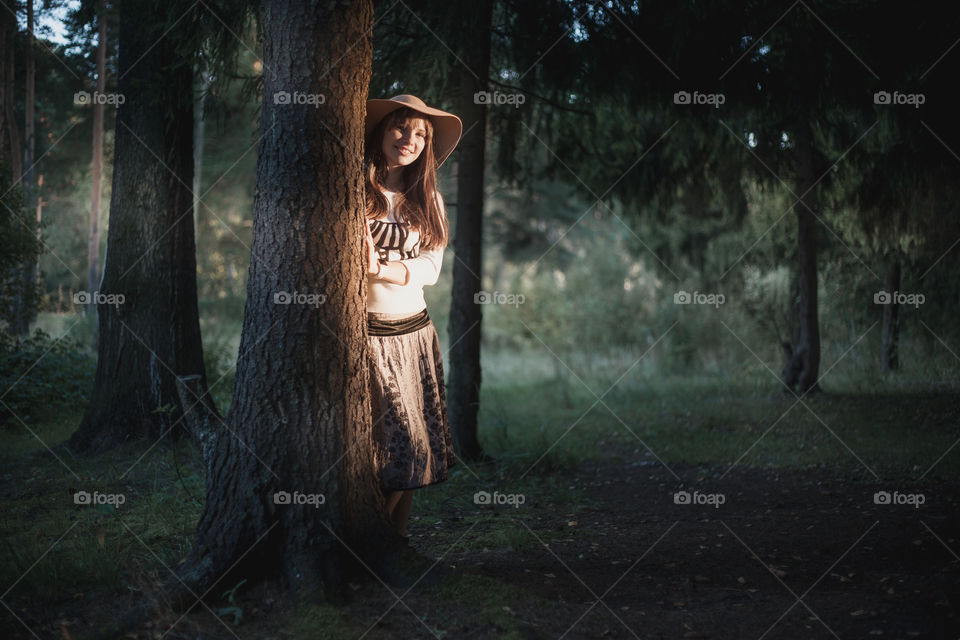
x=401 y=512
x=392 y=497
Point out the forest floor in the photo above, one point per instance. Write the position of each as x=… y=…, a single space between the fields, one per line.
x=600 y=550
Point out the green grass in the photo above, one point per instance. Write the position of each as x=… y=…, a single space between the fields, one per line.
x=48 y=428
x=50 y=541
x=324 y=621
x=719 y=421
x=493 y=601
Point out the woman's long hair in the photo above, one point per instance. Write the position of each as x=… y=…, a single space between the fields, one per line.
x=417 y=204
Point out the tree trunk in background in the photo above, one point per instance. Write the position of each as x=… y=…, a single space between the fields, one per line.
x=19 y=230
x=300 y=420
x=29 y=107
x=13 y=130
x=463 y=396
x=26 y=303
x=891 y=320
x=153 y=335
x=93 y=242
x=31 y=198
x=199 y=137
x=8 y=35
x=803 y=364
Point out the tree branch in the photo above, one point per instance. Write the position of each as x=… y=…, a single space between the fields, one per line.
x=553 y=104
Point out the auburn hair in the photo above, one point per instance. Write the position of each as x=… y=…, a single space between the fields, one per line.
x=418 y=203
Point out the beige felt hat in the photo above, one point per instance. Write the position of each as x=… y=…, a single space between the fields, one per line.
x=447 y=127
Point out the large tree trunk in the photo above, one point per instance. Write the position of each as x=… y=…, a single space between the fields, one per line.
x=803 y=365
x=465 y=314
x=300 y=420
x=93 y=241
x=891 y=320
x=152 y=334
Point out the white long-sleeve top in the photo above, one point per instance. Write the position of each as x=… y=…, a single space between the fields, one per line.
x=397 y=241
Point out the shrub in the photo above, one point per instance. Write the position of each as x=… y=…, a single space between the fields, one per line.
x=41 y=372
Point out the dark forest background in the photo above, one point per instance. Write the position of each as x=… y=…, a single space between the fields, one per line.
x=672 y=223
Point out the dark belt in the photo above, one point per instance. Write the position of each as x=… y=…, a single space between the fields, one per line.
x=380 y=327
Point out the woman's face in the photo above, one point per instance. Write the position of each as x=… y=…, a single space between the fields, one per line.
x=403 y=142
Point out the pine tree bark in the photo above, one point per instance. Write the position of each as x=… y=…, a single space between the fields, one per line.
x=891 y=320
x=300 y=420
x=153 y=335
x=93 y=241
x=463 y=397
x=803 y=365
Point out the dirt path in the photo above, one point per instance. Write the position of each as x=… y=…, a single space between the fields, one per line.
x=786 y=555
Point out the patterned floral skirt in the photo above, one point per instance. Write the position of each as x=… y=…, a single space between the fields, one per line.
x=412 y=443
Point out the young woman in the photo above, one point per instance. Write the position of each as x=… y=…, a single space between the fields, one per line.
x=406 y=234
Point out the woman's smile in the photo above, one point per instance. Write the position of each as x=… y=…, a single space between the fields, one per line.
x=404 y=143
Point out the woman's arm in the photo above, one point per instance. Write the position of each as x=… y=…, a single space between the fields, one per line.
x=424 y=269
x=394 y=272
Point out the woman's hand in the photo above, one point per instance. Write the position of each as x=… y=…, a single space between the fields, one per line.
x=373 y=258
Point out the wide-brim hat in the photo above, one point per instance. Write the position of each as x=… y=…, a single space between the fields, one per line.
x=447 y=127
